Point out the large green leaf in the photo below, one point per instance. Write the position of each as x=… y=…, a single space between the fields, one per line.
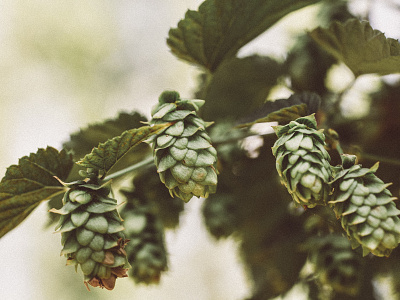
x=221 y=27
x=107 y=154
x=31 y=181
x=239 y=86
x=363 y=49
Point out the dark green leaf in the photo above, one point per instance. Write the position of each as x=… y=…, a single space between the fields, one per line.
x=221 y=27
x=85 y=140
x=107 y=154
x=285 y=110
x=239 y=86
x=31 y=181
x=363 y=49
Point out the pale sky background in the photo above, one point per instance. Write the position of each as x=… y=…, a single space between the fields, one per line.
x=44 y=98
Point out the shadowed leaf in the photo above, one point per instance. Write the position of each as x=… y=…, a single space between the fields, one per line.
x=30 y=182
x=285 y=110
x=219 y=28
x=363 y=49
x=107 y=154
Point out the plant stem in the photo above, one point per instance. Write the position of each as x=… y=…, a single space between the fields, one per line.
x=131 y=168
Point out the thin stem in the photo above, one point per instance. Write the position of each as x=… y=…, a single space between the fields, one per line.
x=131 y=168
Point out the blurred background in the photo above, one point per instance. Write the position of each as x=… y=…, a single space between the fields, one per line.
x=65 y=64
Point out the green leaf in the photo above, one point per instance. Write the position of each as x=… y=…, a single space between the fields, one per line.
x=86 y=139
x=221 y=27
x=107 y=154
x=239 y=86
x=363 y=49
x=30 y=182
x=285 y=110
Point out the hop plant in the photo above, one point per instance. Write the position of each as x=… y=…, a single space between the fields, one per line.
x=302 y=161
x=337 y=265
x=146 y=248
x=365 y=207
x=183 y=153
x=91 y=233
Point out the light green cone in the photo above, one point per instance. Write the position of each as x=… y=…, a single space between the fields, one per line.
x=91 y=234
x=302 y=161
x=183 y=153
x=366 y=209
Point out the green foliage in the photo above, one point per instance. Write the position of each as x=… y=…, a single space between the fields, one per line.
x=107 y=154
x=221 y=27
x=29 y=183
x=238 y=86
x=86 y=139
x=363 y=49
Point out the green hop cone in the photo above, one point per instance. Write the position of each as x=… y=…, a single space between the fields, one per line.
x=220 y=214
x=183 y=153
x=337 y=265
x=146 y=248
x=366 y=209
x=91 y=233
x=302 y=161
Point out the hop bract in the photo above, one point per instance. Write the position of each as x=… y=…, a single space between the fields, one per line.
x=91 y=234
x=302 y=161
x=183 y=153
x=366 y=209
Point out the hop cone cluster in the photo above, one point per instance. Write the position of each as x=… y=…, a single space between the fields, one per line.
x=337 y=265
x=183 y=153
x=91 y=233
x=302 y=161
x=146 y=249
x=366 y=209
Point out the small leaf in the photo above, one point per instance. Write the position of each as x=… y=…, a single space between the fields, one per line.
x=363 y=49
x=220 y=28
x=285 y=110
x=30 y=182
x=107 y=154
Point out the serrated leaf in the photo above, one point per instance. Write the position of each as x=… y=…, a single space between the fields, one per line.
x=363 y=49
x=219 y=28
x=107 y=154
x=30 y=182
x=285 y=110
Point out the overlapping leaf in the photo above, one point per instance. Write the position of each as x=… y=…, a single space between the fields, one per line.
x=107 y=154
x=86 y=139
x=31 y=181
x=221 y=27
x=285 y=110
x=239 y=86
x=363 y=49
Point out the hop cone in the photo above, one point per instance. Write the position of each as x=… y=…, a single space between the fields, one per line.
x=146 y=249
x=149 y=188
x=220 y=215
x=366 y=209
x=183 y=153
x=91 y=235
x=336 y=263
x=302 y=161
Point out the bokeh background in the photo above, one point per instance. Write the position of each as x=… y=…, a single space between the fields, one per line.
x=65 y=64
